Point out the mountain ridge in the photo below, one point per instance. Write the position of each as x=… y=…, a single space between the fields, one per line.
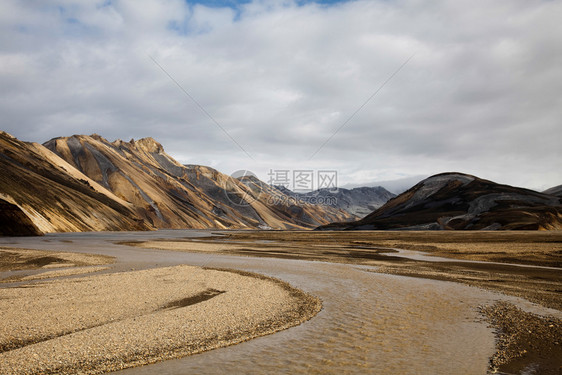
x=555 y=190
x=358 y=201
x=168 y=194
x=86 y=183
x=456 y=201
x=53 y=195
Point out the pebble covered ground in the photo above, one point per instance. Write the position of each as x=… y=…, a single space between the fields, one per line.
x=525 y=340
x=97 y=324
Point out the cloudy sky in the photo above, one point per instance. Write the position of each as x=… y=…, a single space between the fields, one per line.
x=377 y=90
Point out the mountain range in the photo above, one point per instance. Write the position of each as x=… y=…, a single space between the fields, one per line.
x=359 y=201
x=463 y=202
x=86 y=183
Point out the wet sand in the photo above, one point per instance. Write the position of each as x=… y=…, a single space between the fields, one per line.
x=541 y=352
x=102 y=323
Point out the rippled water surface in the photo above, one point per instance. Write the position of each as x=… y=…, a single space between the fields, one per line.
x=371 y=323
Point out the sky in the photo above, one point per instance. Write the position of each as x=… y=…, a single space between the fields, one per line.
x=374 y=90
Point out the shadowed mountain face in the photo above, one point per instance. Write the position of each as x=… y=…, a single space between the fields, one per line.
x=359 y=201
x=14 y=222
x=462 y=202
x=39 y=193
x=166 y=194
x=557 y=191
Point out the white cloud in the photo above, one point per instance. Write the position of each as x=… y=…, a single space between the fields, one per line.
x=481 y=95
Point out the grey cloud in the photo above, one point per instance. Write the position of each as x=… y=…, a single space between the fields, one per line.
x=481 y=92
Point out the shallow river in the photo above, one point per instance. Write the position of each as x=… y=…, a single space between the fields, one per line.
x=370 y=323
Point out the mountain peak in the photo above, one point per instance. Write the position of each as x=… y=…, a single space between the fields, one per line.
x=449 y=176
x=98 y=137
x=147 y=144
x=461 y=201
x=3 y=133
x=435 y=183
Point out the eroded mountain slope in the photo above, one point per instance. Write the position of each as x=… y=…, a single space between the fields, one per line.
x=170 y=195
x=463 y=202
x=54 y=196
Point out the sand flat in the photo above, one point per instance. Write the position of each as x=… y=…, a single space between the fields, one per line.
x=12 y=259
x=101 y=323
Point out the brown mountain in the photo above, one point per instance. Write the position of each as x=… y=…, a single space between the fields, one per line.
x=14 y=221
x=285 y=203
x=85 y=183
x=40 y=192
x=462 y=202
x=167 y=194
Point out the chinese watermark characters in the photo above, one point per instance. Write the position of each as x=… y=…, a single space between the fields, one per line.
x=303 y=180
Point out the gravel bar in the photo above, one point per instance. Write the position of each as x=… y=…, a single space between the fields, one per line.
x=103 y=323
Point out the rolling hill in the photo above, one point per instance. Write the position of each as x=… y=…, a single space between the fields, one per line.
x=556 y=190
x=457 y=201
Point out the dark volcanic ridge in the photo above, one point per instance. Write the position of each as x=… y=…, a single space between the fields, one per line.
x=556 y=190
x=457 y=201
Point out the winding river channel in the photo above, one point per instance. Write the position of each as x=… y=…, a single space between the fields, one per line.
x=370 y=322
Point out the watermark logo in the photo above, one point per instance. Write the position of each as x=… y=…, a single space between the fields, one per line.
x=300 y=200
x=304 y=180
x=284 y=187
x=253 y=188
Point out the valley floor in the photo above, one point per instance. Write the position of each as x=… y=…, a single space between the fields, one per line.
x=97 y=324
x=522 y=264
x=388 y=308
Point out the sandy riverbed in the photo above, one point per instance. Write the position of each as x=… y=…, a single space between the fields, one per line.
x=96 y=324
x=525 y=341
x=15 y=259
x=364 y=308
